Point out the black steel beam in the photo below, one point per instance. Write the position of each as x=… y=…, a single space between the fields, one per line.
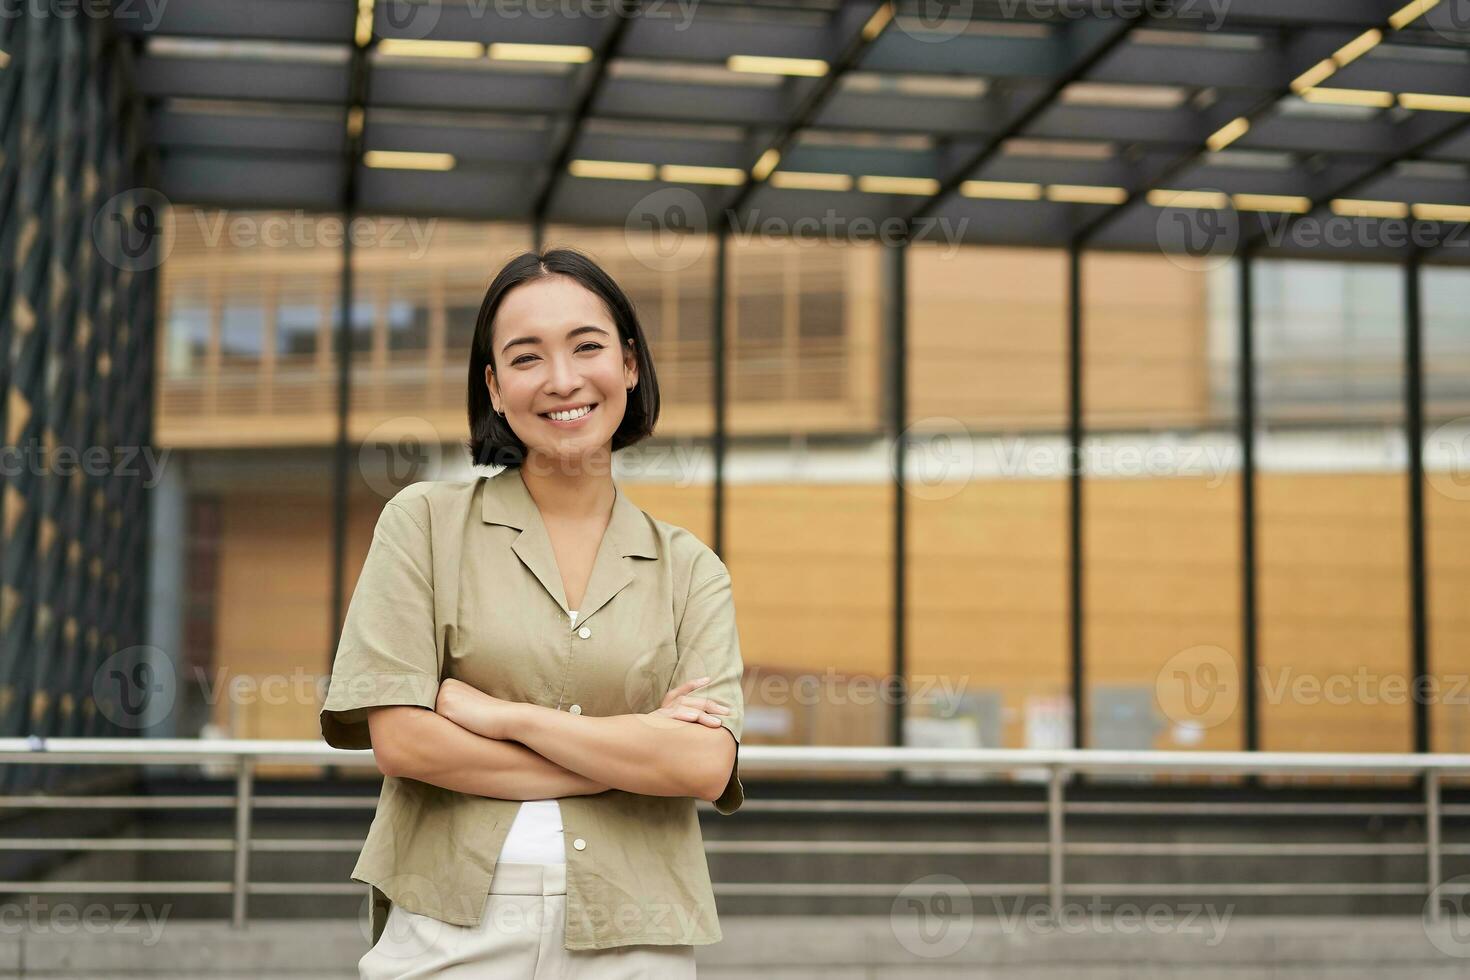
x=895 y=316
x=721 y=370
x=355 y=119
x=1075 y=565
x=1246 y=410
x=950 y=183
x=590 y=86
x=1414 y=438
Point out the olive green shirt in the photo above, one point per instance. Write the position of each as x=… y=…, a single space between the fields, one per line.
x=461 y=581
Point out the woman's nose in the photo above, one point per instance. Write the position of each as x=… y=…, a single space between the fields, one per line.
x=565 y=375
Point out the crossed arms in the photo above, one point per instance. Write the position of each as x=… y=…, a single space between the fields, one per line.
x=475 y=743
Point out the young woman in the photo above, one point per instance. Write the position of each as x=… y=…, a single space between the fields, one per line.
x=548 y=677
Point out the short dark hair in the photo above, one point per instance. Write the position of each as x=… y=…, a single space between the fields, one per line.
x=492 y=442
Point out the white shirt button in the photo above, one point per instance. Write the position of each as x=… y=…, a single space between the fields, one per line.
x=584 y=632
x=575 y=709
x=579 y=844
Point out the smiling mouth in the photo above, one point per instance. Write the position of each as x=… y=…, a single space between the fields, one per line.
x=590 y=409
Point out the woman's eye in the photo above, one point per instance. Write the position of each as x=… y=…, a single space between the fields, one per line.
x=583 y=347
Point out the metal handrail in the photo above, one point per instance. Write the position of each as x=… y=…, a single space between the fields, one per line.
x=1057 y=764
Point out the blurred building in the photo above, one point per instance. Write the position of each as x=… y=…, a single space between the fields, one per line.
x=247 y=400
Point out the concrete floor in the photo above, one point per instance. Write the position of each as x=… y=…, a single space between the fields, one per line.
x=840 y=948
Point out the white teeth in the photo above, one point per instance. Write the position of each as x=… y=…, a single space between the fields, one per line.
x=574 y=414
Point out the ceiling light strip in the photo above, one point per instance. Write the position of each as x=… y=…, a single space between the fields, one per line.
x=405 y=160
x=1228 y=133
x=806 y=181
x=402 y=47
x=678 y=173
x=880 y=184
x=570 y=54
x=1351 y=208
x=612 y=170
x=1001 y=190
x=1086 y=194
x=1350 y=96
x=1434 y=103
x=1410 y=12
x=766 y=164
x=764 y=65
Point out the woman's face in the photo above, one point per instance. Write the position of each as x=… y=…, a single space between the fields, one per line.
x=555 y=346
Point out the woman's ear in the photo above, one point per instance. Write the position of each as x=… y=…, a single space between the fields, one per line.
x=630 y=367
x=491 y=387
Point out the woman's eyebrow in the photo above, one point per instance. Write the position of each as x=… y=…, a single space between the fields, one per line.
x=575 y=331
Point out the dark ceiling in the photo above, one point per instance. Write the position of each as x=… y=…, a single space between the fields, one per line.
x=1039 y=122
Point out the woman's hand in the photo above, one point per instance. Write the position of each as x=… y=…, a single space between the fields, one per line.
x=472 y=709
x=681 y=705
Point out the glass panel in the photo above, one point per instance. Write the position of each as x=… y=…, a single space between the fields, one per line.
x=1160 y=506
x=1006 y=369
x=1333 y=586
x=242 y=329
x=987 y=644
x=1445 y=295
x=185 y=338
x=810 y=499
x=298 y=325
x=247 y=400
x=408 y=327
x=250 y=299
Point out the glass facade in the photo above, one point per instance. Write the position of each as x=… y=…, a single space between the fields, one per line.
x=987 y=637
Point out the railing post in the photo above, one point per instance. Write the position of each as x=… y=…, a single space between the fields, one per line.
x=244 y=775
x=1055 y=838
x=1431 y=835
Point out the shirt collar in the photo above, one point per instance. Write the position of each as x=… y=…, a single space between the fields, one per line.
x=505 y=500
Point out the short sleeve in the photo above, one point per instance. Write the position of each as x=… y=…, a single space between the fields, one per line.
x=387 y=654
x=709 y=645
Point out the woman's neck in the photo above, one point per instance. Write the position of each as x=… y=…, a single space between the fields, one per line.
x=569 y=492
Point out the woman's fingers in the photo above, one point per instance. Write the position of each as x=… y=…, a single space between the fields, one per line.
x=706 y=711
x=680 y=704
x=684 y=689
x=694 y=714
x=706 y=704
x=679 y=694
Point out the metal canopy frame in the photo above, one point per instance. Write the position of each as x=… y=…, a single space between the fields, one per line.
x=248 y=98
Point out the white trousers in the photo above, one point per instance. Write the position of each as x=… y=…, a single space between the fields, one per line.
x=519 y=938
